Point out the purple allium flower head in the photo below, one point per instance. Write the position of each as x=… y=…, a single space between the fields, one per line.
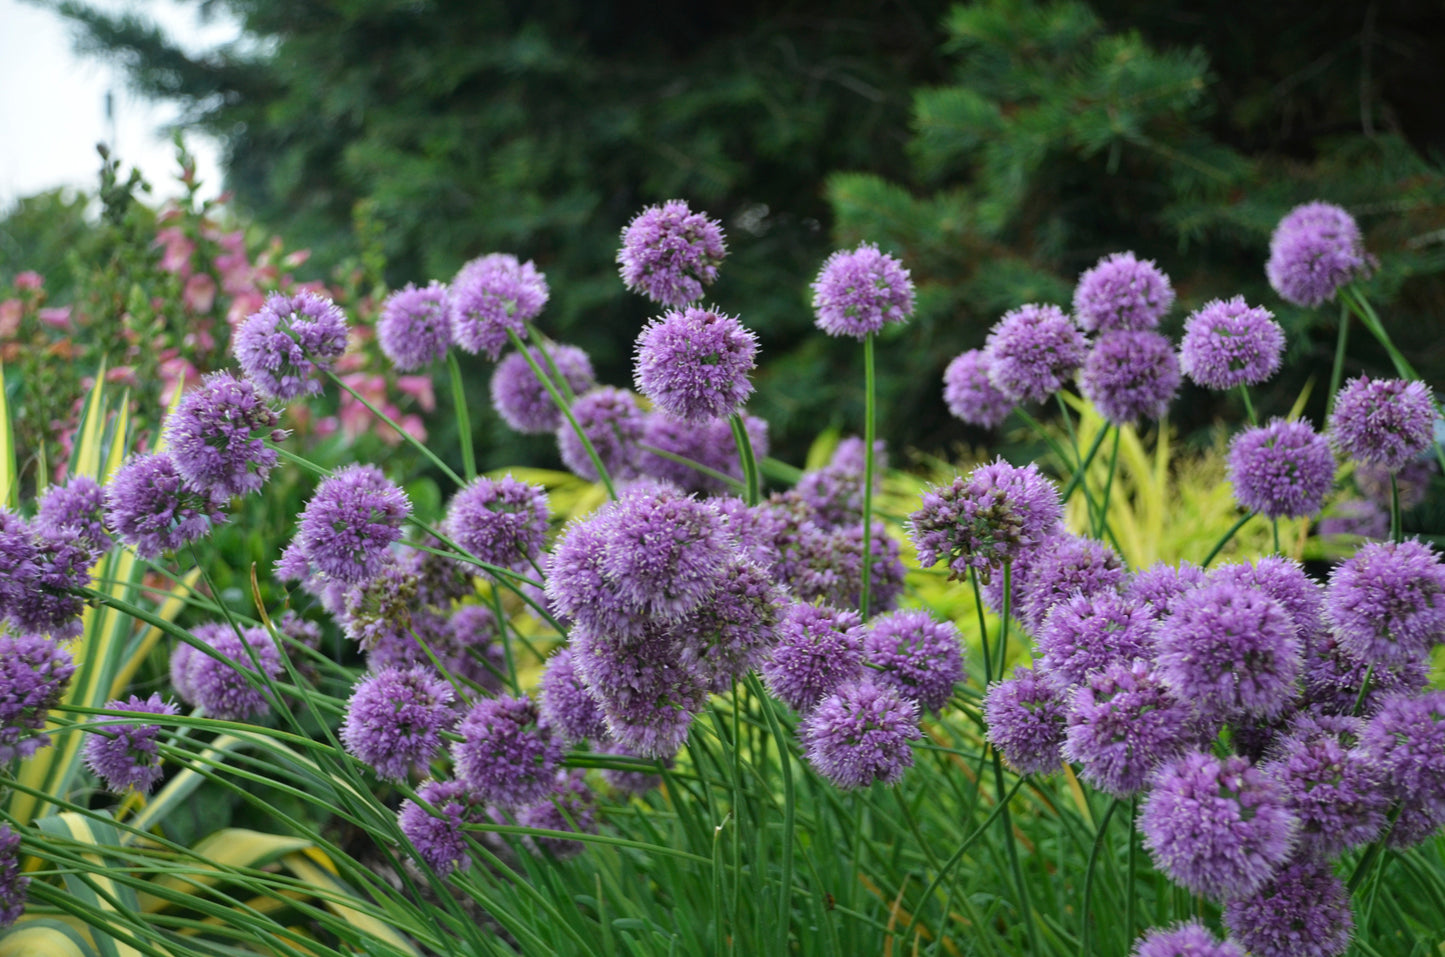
x=665 y=552
x=475 y=651
x=438 y=837
x=281 y=346
x=1413 y=481
x=1387 y=602
x=1189 y=939
x=835 y=491
x=78 y=504
x=501 y=521
x=859 y=734
x=1284 y=580
x=1333 y=678
x=920 y=657
x=220 y=685
x=970 y=395
x=395 y=720
x=1122 y=724
x=150 y=509
x=613 y=423
x=709 y=444
x=382 y=613
x=576 y=586
x=19 y=556
x=216 y=438
x=570 y=807
x=818 y=649
x=1231 y=650
x=1405 y=740
x=34 y=673
x=352 y=520
x=1281 y=470
x=414 y=328
x=669 y=253
x=565 y=703
x=1335 y=791
x=1217 y=826
x=507 y=756
x=1130 y=376
x=1383 y=421
x=522 y=400
x=859 y=290
x=1025 y=722
x=694 y=364
x=1356 y=517
x=1159 y=585
x=1303 y=911
x=1032 y=351
x=1315 y=249
x=491 y=296
x=12 y=881
x=827 y=566
x=647 y=696
x=1229 y=343
x=40 y=596
x=1065 y=564
x=730 y=633
x=997 y=514
x=126 y=757
x=1122 y=294
x=1086 y=632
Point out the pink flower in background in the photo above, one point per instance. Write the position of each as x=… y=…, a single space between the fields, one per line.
x=200 y=293
x=419 y=387
x=57 y=316
x=177 y=250
x=10 y=312
x=29 y=281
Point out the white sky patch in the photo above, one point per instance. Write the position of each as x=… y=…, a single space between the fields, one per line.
x=52 y=105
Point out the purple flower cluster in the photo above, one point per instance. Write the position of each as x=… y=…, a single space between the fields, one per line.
x=858 y=735
x=669 y=253
x=1228 y=343
x=216 y=437
x=1130 y=376
x=149 y=507
x=1032 y=351
x=1304 y=911
x=347 y=528
x=970 y=394
x=997 y=514
x=613 y=423
x=1025 y=722
x=1122 y=723
x=860 y=290
x=226 y=683
x=818 y=649
x=34 y=673
x=1122 y=294
x=695 y=364
x=1315 y=249
x=1087 y=632
x=45 y=567
x=522 y=400
x=1335 y=790
x=1387 y=602
x=1384 y=422
x=437 y=834
x=395 y=720
x=711 y=445
x=12 y=881
x=1189 y=939
x=79 y=504
x=414 y=328
x=1281 y=470
x=126 y=757
x=507 y=755
x=920 y=658
x=500 y=521
x=1061 y=566
x=566 y=705
x=280 y=347
x=492 y=296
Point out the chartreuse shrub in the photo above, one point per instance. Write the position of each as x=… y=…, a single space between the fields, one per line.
x=1088 y=704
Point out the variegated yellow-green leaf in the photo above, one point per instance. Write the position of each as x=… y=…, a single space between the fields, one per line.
x=44 y=938
x=9 y=473
x=306 y=865
x=232 y=847
x=96 y=890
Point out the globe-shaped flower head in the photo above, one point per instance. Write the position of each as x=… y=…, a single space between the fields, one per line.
x=1315 y=249
x=220 y=683
x=34 y=673
x=1387 y=602
x=859 y=290
x=1190 y=939
x=151 y=509
x=1304 y=911
x=78 y=504
x=1025 y=722
x=998 y=513
x=280 y=347
x=819 y=648
x=1217 y=826
x=501 y=521
x=1337 y=793
x=666 y=552
x=216 y=438
x=1087 y=632
x=969 y=394
x=669 y=253
x=437 y=835
x=395 y=720
x=415 y=328
x=350 y=523
x=1281 y=470
x=12 y=881
x=1122 y=724
x=859 y=734
x=1383 y=422
x=523 y=401
x=694 y=364
x=1122 y=293
x=494 y=295
x=918 y=656
x=506 y=756
x=1130 y=376
x=613 y=423
x=1032 y=351
x=1228 y=343
x=126 y=757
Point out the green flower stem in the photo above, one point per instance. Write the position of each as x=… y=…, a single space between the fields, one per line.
x=1219 y=545
x=566 y=409
x=464 y=419
x=1248 y=405
x=1083 y=466
x=1084 y=926
x=1133 y=867
x=507 y=656
x=869 y=387
x=982 y=626
x=1337 y=371
x=1397 y=532
x=558 y=378
x=785 y=759
x=1364 y=690
x=753 y=485
x=1274 y=527
x=406 y=436
x=1108 y=483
